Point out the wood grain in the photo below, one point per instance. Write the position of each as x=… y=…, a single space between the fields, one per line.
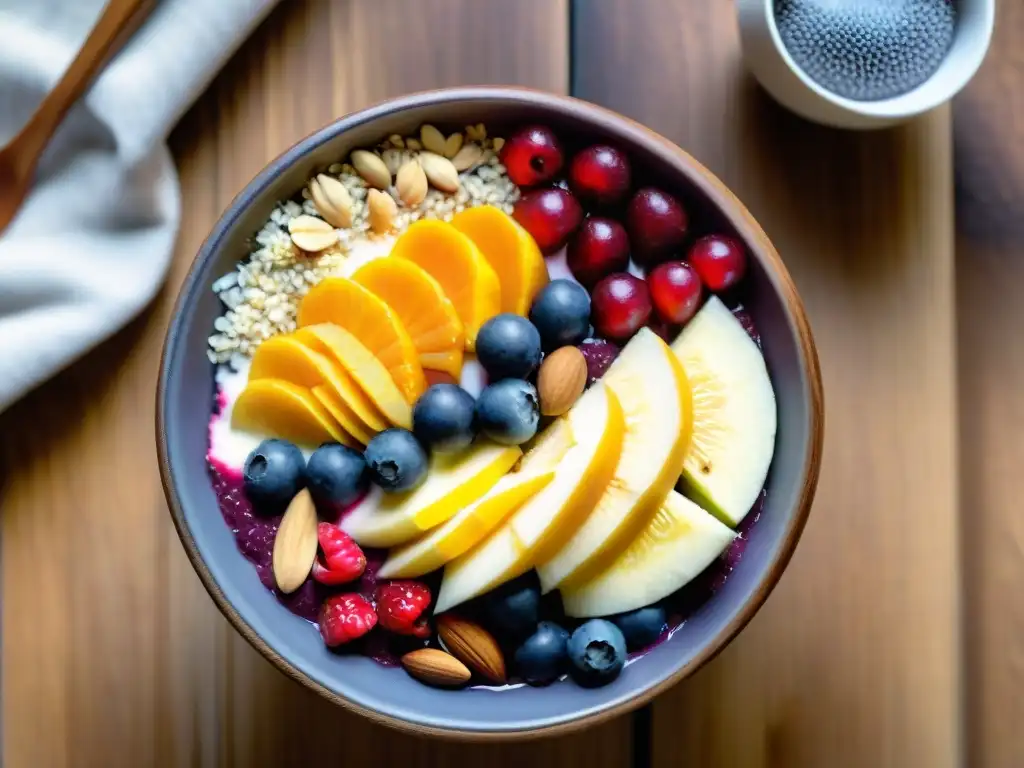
x=113 y=654
x=989 y=152
x=854 y=661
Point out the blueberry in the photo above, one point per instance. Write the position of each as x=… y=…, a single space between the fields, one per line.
x=544 y=657
x=273 y=474
x=443 y=418
x=507 y=411
x=597 y=653
x=641 y=627
x=508 y=347
x=336 y=476
x=513 y=609
x=561 y=313
x=396 y=460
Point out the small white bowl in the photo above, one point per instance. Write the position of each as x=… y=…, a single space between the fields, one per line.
x=768 y=60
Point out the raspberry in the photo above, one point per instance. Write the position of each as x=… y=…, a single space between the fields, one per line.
x=344 y=618
x=401 y=607
x=343 y=561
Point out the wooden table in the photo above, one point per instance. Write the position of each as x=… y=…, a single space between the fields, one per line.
x=896 y=638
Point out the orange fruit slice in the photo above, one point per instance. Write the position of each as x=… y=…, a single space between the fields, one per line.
x=510 y=250
x=422 y=306
x=349 y=305
x=285 y=357
x=282 y=409
x=363 y=366
x=452 y=259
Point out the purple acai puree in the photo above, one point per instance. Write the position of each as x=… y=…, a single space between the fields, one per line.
x=741 y=314
x=599 y=354
x=254 y=535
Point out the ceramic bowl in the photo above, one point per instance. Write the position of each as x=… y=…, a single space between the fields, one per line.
x=389 y=695
x=768 y=60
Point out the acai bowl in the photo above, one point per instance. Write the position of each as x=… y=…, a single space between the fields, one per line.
x=488 y=413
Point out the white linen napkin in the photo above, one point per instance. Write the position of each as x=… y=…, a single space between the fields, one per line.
x=91 y=245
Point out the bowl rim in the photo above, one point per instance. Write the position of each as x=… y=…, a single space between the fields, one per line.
x=708 y=185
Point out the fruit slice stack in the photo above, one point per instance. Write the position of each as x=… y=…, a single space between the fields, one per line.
x=356 y=364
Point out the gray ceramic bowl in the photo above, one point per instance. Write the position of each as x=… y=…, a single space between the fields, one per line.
x=388 y=695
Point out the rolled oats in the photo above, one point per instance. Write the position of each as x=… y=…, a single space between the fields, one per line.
x=261 y=295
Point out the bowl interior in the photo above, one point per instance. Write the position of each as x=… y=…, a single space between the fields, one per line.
x=187 y=387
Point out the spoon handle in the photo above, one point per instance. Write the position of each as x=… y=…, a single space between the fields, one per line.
x=111 y=24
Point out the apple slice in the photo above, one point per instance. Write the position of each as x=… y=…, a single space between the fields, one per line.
x=655 y=396
x=680 y=541
x=582 y=448
x=466 y=529
x=453 y=482
x=734 y=413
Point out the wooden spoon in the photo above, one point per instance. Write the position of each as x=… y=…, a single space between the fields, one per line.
x=19 y=158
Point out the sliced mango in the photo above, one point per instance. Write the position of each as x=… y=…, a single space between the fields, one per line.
x=282 y=409
x=422 y=306
x=363 y=366
x=373 y=322
x=285 y=357
x=510 y=250
x=454 y=260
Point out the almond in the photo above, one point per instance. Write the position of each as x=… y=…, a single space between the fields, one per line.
x=452 y=145
x=435 y=667
x=411 y=183
x=373 y=170
x=433 y=139
x=561 y=380
x=498 y=144
x=473 y=645
x=467 y=157
x=440 y=172
x=295 y=543
x=311 y=234
x=332 y=200
x=381 y=211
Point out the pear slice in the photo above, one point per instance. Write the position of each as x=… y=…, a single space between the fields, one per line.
x=582 y=448
x=680 y=541
x=734 y=413
x=467 y=528
x=453 y=482
x=655 y=396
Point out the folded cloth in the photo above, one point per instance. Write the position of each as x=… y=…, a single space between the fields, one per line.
x=92 y=242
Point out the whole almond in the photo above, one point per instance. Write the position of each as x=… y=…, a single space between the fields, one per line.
x=373 y=170
x=411 y=183
x=561 y=380
x=432 y=139
x=467 y=157
x=295 y=543
x=435 y=667
x=440 y=172
x=473 y=645
x=381 y=211
x=452 y=145
x=311 y=234
x=332 y=200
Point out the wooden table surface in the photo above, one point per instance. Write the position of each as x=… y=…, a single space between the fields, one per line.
x=895 y=638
